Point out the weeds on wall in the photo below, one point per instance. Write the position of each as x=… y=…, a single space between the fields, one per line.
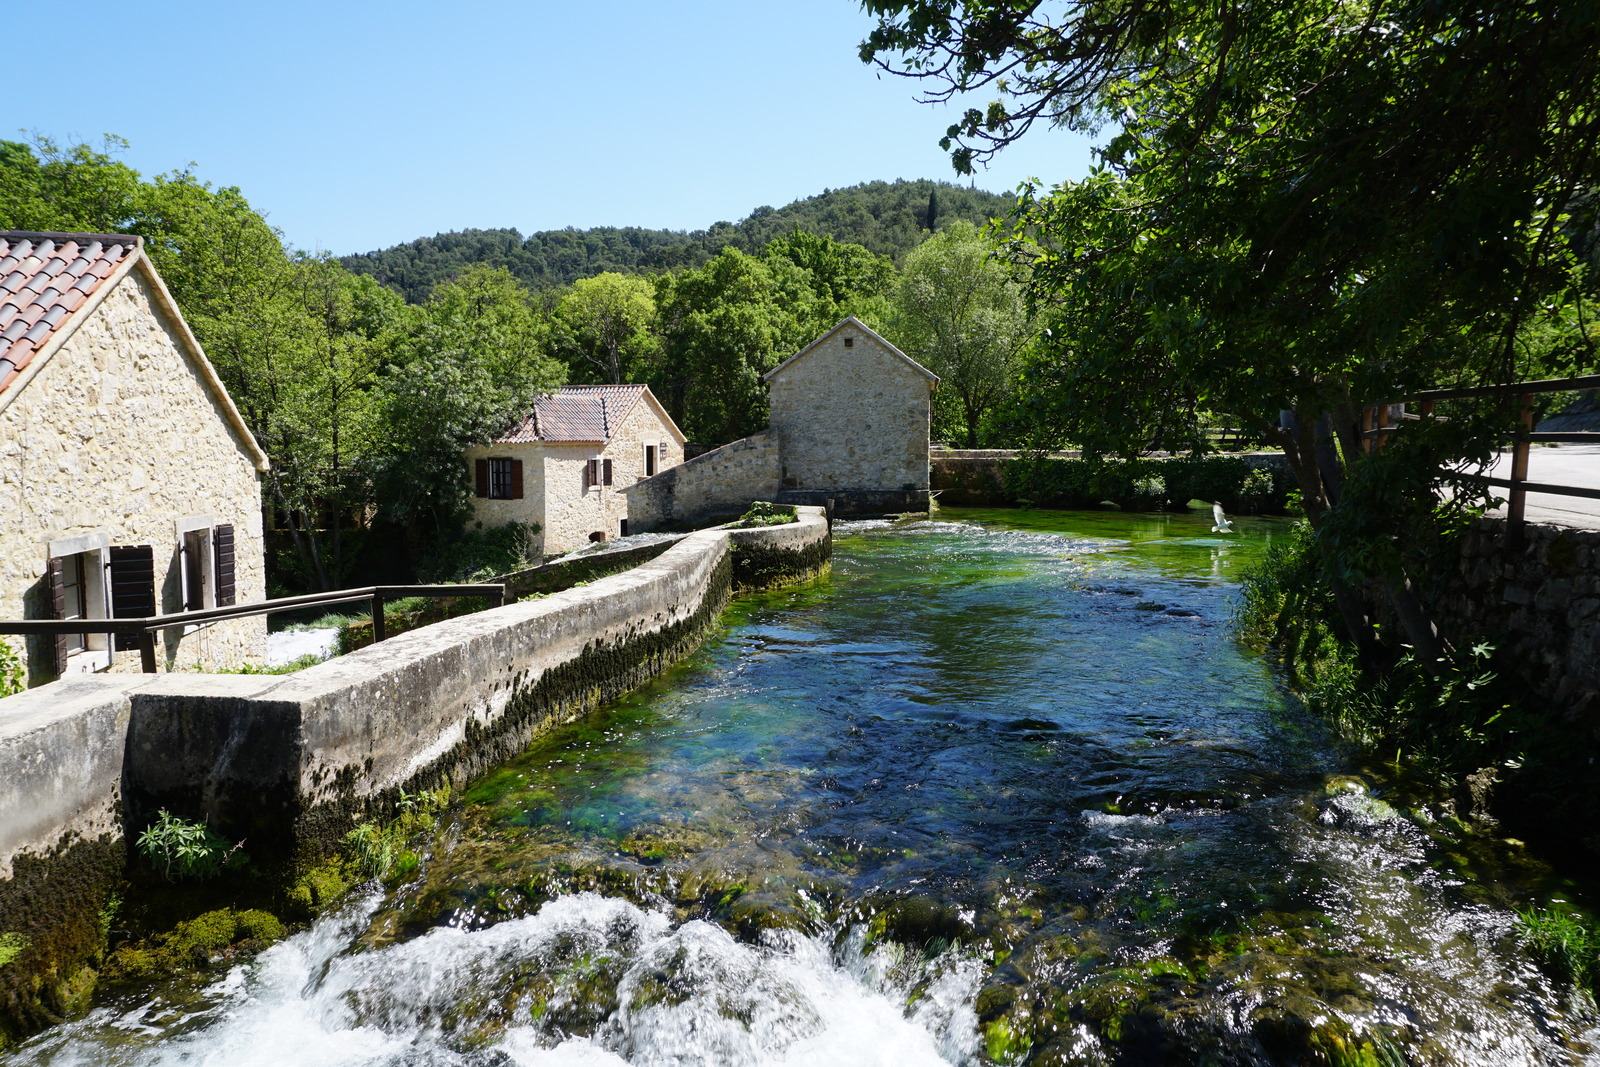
x=185 y=850
x=381 y=850
x=13 y=677
x=764 y=513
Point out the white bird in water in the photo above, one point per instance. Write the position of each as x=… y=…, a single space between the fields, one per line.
x=1224 y=524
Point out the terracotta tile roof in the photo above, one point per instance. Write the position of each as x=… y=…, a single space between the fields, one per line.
x=576 y=413
x=44 y=278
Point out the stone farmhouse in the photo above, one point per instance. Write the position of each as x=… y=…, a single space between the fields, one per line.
x=565 y=465
x=849 y=425
x=128 y=479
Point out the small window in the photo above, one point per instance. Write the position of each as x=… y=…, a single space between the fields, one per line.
x=499 y=478
x=75 y=597
x=597 y=472
x=849 y=342
x=649 y=460
x=76 y=579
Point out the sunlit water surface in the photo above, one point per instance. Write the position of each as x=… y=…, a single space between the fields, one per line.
x=1000 y=789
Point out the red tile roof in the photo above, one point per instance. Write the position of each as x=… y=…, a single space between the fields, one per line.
x=576 y=413
x=44 y=278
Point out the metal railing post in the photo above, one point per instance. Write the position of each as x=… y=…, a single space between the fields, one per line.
x=1517 y=506
x=147 y=651
x=377 y=617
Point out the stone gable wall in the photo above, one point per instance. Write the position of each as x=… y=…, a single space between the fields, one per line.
x=530 y=509
x=852 y=418
x=117 y=434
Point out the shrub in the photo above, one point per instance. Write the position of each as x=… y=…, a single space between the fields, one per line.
x=481 y=553
x=181 y=849
x=1146 y=484
x=764 y=513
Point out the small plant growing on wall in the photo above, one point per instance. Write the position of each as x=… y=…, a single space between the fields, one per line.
x=12 y=677
x=765 y=513
x=181 y=849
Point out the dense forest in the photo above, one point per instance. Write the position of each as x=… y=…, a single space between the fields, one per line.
x=886 y=218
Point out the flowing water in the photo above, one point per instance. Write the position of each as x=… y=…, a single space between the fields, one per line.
x=1001 y=789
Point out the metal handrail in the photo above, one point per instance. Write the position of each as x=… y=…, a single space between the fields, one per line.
x=147 y=628
x=1375 y=427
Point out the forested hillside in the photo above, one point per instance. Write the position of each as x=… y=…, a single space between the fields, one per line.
x=888 y=218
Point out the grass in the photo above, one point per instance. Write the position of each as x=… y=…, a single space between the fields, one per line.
x=1566 y=942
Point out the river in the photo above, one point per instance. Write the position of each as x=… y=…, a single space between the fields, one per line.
x=1000 y=789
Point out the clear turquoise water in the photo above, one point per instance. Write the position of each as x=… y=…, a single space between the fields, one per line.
x=1001 y=788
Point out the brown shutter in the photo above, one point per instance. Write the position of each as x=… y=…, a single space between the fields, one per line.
x=54 y=572
x=481 y=469
x=133 y=587
x=222 y=550
x=516 y=479
x=591 y=474
x=607 y=463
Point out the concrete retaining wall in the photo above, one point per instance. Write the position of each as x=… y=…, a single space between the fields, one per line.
x=291 y=762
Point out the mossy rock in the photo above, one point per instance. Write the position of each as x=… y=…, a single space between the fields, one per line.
x=196 y=944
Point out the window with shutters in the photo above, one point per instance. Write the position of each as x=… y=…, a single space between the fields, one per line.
x=206 y=563
x=75 y=572
x=596 y=472
x=132 y=572
x=498 y=478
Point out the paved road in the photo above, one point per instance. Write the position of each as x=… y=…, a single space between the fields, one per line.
x=1561 y=465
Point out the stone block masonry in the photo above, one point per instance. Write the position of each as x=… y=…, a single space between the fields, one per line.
x=290 y=763
x=721 y=482
x=1540 y=601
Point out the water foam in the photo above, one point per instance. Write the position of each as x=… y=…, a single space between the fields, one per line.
x=586 y=981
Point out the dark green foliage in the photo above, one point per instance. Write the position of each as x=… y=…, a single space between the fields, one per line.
x=476 y=554
x=886 y=217
x=1147 y=484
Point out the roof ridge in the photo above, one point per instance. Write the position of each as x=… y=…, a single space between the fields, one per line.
x=60 y=235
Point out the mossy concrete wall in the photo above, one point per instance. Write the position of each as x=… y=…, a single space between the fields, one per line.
x=289 y=763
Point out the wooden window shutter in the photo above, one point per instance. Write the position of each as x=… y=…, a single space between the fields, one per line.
x=133 y=587
x=223 y=570
x=607 y=463
x=481 y=471
x=54 y=573
x=516 y=479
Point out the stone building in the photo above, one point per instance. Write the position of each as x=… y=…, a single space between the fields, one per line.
x=564 y=465
x=128 y=480
x=849 y=425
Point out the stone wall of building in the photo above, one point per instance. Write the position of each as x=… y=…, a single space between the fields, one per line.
x=530 y=508
x=117 y=439
x=721 y=482
x=852 y=417
x=556 y=494
x=1539 y=601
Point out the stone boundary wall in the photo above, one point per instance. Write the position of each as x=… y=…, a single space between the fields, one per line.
x=722 y=481
x=1540 y=601
x=972 y=477
x=291 y=762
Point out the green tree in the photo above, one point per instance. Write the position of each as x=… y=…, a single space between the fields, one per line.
x=602 y=328
x=78 y=188
x=1308 y=207
x=961 y=313
x=725 y=325
x=470 y=361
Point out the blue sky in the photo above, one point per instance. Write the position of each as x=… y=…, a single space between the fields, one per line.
x=357 y=125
